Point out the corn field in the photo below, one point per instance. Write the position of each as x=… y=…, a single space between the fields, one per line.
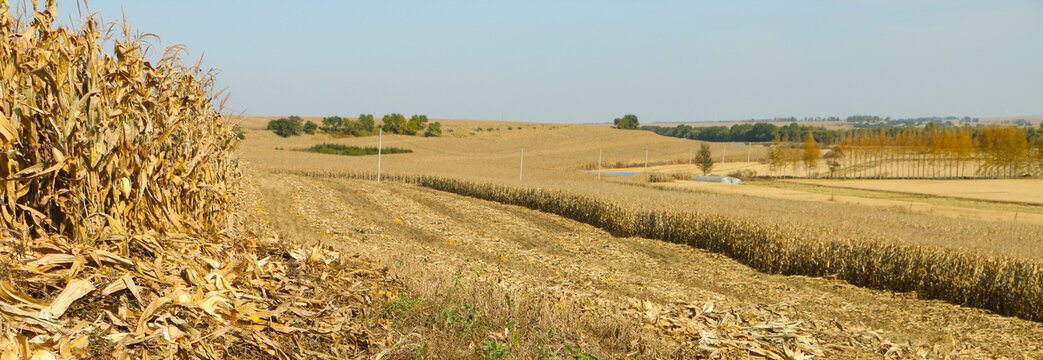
x=92 y=142
x=117 y=186
x=1004 y=285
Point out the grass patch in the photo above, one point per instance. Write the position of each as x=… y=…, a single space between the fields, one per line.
x=351 y=150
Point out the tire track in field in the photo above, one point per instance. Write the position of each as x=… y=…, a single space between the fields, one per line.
x=522 y=247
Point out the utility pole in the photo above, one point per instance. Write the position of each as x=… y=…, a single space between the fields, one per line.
x=724 y=153
x=748 y=147
x=691 y=154
x=380 y=148
x=521 y=165
x=599 y=164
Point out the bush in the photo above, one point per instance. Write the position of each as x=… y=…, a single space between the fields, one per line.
x=434 y=129
x=349 y=150
x=658 y=177
x=309 y=128
x=743 y=174
x=682 y=176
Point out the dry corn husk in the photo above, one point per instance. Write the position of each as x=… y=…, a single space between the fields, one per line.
x=142 y=298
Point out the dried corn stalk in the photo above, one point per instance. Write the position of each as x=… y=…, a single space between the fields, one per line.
x=93 y=142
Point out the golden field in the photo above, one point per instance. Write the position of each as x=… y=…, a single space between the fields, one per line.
x=328 y=193
x=558 y=157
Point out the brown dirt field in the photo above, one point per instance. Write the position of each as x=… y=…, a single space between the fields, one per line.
x=497 y=249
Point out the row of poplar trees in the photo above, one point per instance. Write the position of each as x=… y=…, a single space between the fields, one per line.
x=928 y=152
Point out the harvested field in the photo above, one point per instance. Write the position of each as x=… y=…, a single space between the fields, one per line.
x=138 y=221
x=904 y=202
x=1024 y=191
x=491 y=247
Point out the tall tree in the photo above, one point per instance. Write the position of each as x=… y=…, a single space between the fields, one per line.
x=833 y=158
x=394 y=123
x=775 y=158
x=332 y=124
x=1039 y=154
x=365 y=123
x=811 y=153
x=415 y=124
x=704 y=159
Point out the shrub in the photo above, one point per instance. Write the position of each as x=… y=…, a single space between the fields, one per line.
x=682 y=176
x=743 y=174
x=349 y=150
x=309 y=128
x=658 y=177
x=434 y=129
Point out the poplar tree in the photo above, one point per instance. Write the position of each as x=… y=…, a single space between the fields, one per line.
x=704 y=159
x=775 y=154
x=811 y=152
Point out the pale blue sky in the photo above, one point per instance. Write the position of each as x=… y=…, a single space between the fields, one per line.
x=591 y=61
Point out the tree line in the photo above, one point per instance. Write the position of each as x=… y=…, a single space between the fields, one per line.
x=933 y=151
x=363 y=125
x=746 y=132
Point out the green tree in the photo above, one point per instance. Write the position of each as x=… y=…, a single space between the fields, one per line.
x=332 y=124
x=414 y=125
x=433 y=129
x=286 y=127
x=394 y=123
x=309 y=128
x=704 y=159
x=628 y=122
x=365 y=123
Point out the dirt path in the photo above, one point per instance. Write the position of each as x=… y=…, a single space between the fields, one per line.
x=435 y=237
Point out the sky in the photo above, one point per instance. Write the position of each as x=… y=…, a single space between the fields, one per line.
x=592 y=61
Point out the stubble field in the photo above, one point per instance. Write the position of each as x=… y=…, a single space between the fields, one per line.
x=443 y=237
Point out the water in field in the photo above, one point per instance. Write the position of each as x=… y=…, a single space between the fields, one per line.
x=619 y=173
